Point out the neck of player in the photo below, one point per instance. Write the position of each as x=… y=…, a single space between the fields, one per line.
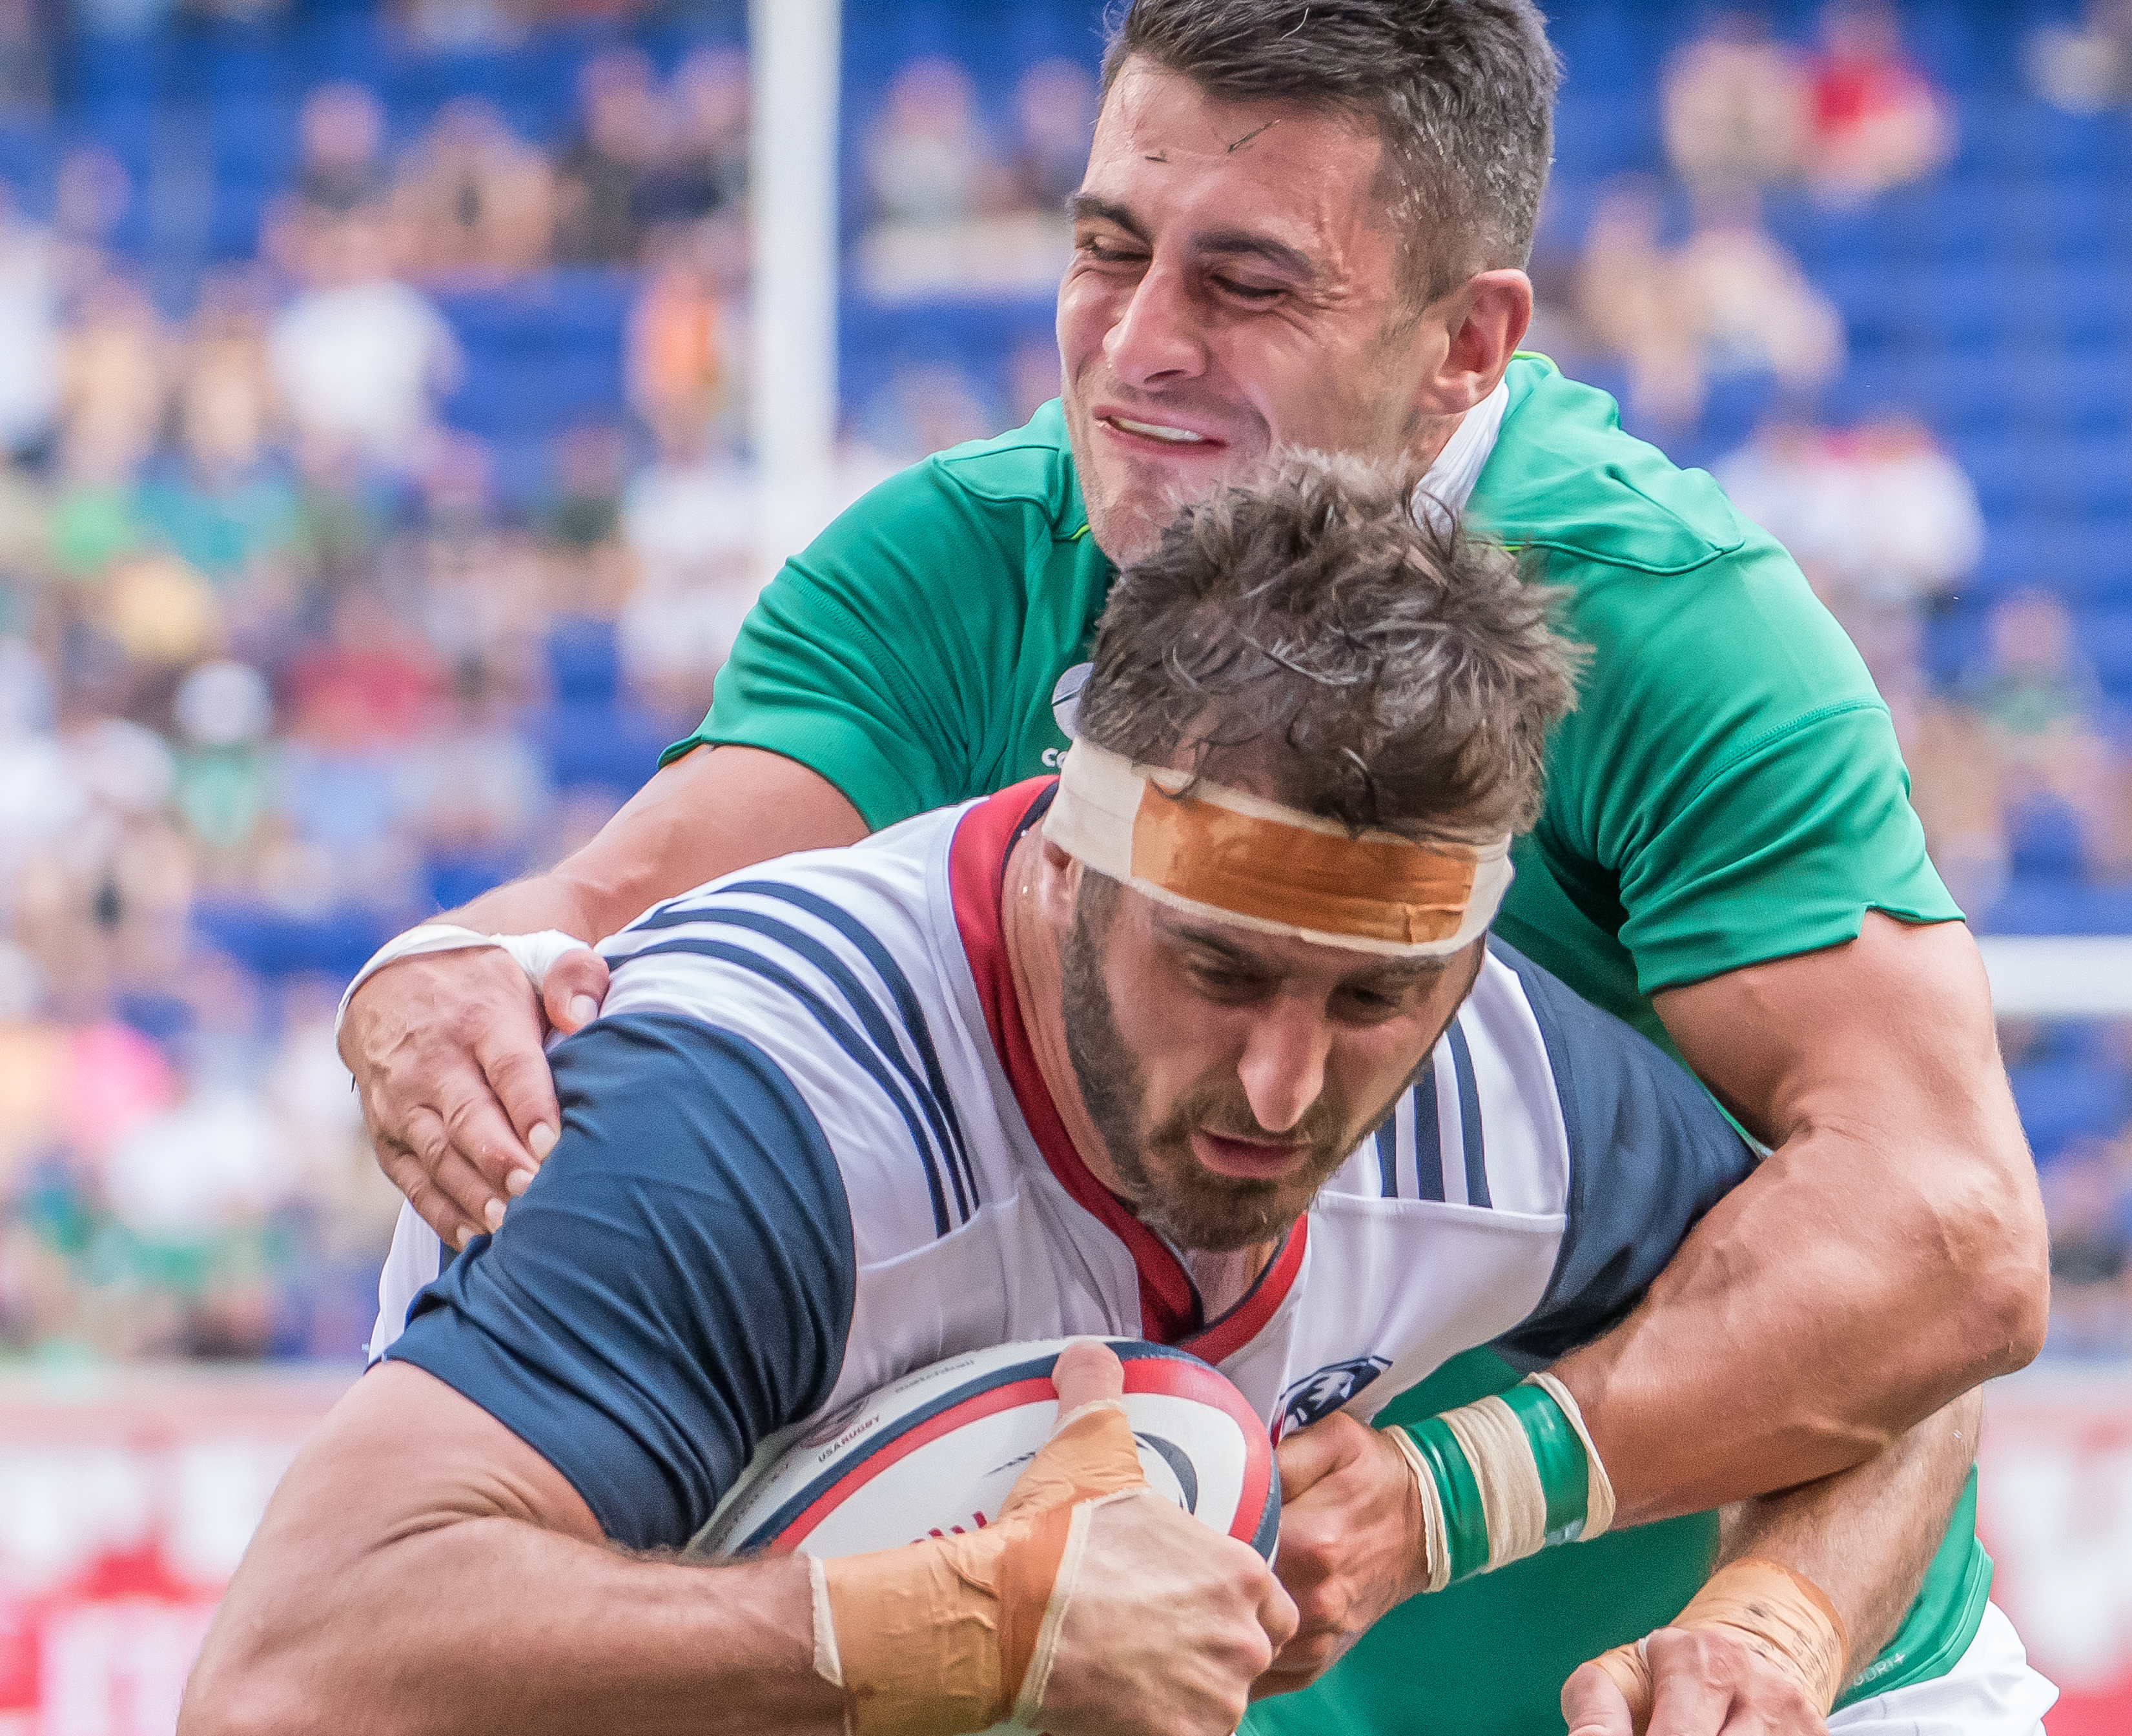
x=1221 y=1279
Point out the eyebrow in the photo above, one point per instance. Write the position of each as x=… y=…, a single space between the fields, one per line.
x=1092 y=208
x=1392 y=977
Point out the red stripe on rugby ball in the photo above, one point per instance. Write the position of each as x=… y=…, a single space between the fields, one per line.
x=984 y=1404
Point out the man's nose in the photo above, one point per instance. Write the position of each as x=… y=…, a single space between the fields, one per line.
x=1283 y=1068
x=1157 y=339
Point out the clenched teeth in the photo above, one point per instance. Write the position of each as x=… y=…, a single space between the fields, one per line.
x=1175 y=436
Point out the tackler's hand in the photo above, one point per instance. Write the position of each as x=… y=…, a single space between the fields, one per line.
x=1351 y=1542
x=1702 y=1683
x=1168 y=1622
x=1759 y=1650
x=446 y=1051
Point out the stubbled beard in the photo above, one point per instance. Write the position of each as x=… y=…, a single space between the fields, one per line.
x=1159 y=1177
x=1127 y=525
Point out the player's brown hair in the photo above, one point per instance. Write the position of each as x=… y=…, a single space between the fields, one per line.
x=1383 y=668
x=1461 y=92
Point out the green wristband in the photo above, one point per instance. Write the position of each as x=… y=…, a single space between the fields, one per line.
x=1465 y=1525
x=1558 y=1452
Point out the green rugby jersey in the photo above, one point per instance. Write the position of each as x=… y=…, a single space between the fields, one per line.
x=1728 y=791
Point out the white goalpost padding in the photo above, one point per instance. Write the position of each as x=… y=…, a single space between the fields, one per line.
x=2059 y=976
x=794 y=74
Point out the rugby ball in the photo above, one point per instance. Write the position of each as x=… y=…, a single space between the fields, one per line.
x=936 y=1452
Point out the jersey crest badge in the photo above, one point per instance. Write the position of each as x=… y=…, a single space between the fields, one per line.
x=1321 y=1394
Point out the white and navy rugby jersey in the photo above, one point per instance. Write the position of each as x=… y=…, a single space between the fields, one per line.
x=806 y=1150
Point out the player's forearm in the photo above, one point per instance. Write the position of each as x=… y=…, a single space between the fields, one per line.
x=1835 y=1299
x=493 y=1623
x=711 y=812
x=1866 y=1536
x=422 y=1569
x=1887 y=1257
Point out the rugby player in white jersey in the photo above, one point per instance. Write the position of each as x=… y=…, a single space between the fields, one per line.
x=1202 y=1042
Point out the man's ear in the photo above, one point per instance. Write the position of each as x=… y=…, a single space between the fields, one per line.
x=1485 y=317
x=1058 y=885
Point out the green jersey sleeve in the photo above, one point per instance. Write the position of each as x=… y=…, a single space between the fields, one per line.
x=907 y=655
x=1748 y=793
x=1729 y=789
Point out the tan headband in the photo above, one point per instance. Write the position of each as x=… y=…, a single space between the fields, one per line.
x=1239 y=859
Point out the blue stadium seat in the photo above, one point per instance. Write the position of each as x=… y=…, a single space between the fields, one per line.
x=453 y=880
x=276 y=943
x=590 y=734
x=2107 y=910
x=614 y=746
x=2044 y=836
x=584 y=665
x=2106 y=636
x=2062 y=1101
x=2037 y=904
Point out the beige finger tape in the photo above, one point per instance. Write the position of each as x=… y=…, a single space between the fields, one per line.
x=1029 y=1702
x=1783 y=1615
x=953 y=1634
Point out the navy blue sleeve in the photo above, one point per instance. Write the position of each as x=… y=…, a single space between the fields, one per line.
x=1649 y=1152
x=676 y=1284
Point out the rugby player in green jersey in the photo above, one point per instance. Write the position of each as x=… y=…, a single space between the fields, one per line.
x=1303 y=226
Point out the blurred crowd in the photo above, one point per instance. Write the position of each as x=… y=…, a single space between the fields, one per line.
x=961 y=205
x=1745 y=115
x=290 y=659
x=281 y=671
x=2017 y=762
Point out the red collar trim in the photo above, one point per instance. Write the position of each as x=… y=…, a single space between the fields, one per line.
x=1169 y=1302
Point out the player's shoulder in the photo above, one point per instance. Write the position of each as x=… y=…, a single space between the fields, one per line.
x=1566 y=479
x=1005 y=487
x=839 y=967
x=1699 y=619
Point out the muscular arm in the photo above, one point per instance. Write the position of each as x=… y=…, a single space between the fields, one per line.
x=423 y=1569
x=1351 y=1548
x=1889 y=1255
x=446 y=1049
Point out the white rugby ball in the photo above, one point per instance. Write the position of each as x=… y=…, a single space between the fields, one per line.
x=936 y=1452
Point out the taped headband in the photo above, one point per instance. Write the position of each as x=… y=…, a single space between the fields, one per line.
x=1238 y=859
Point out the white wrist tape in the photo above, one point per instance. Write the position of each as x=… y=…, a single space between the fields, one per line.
x=536 y=953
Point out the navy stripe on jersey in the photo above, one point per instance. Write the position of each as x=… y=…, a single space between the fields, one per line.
x=1469 y=1118
x=1427 y=1137
x=677 y=1284
x=931 y=1099
x=899 y=988
x=1388 y=1156
x=862 y=1052
x=869 y=947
